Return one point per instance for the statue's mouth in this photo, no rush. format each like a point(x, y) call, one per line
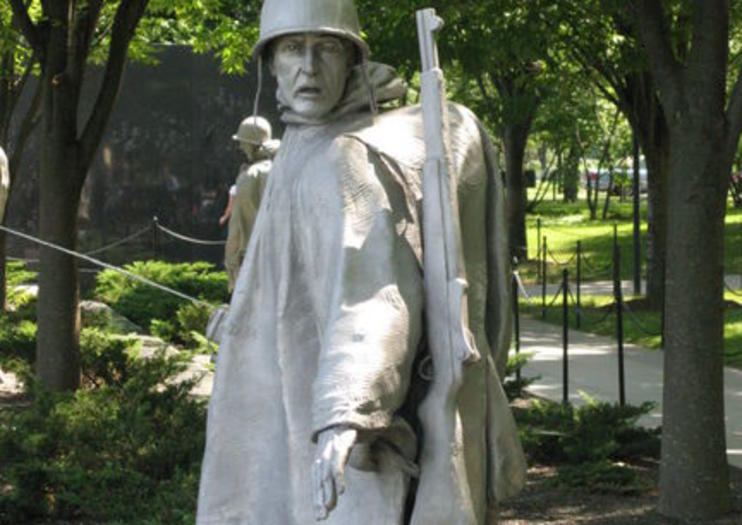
point(308, 91)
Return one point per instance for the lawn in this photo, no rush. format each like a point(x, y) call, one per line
point(641, 327)
point(564, 224)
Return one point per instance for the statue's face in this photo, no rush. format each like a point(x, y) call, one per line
point(311, 70)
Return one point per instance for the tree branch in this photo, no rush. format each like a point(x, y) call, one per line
point(125, 22)
point(652, 27)
point(83, 24)
point(25, 25)
point(28, 124)
point(709, 50)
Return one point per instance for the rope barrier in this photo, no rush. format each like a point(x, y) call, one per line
point(20, 259)
point(126, 239)
point(556, 297)
point(606, 315)
point(571, 296)
point(102, 264)
point(521, 289)
point(558, 263)
point(595, 269)
point(192, 240)
point(640, 324)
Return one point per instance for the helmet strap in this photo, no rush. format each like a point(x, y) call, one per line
point(370, 87)
point(259, 86)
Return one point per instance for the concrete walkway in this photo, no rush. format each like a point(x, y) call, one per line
point(733, 282)
point(593, 369)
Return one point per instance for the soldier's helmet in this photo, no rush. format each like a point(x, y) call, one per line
point(335, 17)
point(253, 130)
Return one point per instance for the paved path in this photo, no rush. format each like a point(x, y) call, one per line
point(733, 282)
point(593, 369)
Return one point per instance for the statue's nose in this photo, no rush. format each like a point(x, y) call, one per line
point(310, 60)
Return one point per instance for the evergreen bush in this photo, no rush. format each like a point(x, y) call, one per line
point(125, 448)
point(142, 303)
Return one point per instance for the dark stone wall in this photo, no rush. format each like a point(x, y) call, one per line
point(167, 152)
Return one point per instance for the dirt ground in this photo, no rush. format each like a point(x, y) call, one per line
point(543, 503)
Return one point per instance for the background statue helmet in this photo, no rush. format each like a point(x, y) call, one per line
point(253, 130)
point(335, 17)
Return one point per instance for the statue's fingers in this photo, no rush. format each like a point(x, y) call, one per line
point(320, 511)
point(338, 472)
point(328, 485)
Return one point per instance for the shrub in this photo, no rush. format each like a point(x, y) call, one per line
point(17, 339)
point(589, 443)
point(513, 386)
point(127, 445)
point(142, 303)
point(17, 274)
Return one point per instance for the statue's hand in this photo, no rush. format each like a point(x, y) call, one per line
point(328, 469)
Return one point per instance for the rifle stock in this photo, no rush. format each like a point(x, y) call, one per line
point(443, 496)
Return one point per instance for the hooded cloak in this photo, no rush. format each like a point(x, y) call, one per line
point(326, 322)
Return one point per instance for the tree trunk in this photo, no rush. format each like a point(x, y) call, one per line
point(658, 166)
point(3, 274)
point(693, 474)
point(514, 139)
point(57, 341)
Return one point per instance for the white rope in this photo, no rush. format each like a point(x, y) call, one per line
point(102, 264)
point(190, 239)
point(120, 241)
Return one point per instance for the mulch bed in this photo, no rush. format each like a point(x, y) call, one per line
point(542, 502)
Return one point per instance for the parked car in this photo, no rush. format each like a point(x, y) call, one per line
point(621, 177)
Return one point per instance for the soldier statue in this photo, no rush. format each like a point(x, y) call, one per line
point(254, 137)
point(325, 404)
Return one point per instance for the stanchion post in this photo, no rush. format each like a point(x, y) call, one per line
point(155, 237)
point(565, 336)
point(578, 285)
point(543, 278)
point(618, 295)
point(538, 250)
point(516, 315)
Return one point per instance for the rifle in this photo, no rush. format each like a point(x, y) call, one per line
point(443, 496)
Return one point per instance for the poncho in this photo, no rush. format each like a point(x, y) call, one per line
point(326, 323)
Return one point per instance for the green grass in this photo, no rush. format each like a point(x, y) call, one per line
point(641, 327)
point(564, 224)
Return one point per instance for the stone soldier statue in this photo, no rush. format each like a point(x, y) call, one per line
point(4, 183)
point(254, 139)
point(324, 362)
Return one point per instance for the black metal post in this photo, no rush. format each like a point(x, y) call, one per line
point(578, 285)
point(538, 250)
point(155, 237)
point(516, 318)
point(565, 336)
point(637, 225)
point(618, 294)
point(543, 278)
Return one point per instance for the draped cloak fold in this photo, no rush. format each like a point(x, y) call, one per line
point(326, 326)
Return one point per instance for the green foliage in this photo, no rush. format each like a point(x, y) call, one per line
point(142, 303)
point(512, 385)
point(589, 443)
point(128, 445)
point(17, 339)
point(17, 274)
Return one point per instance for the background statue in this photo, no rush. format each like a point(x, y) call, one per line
point(254, 139)
point(324, 364)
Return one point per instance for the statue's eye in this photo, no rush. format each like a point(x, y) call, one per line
point(291, 46)
point(331, 46)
